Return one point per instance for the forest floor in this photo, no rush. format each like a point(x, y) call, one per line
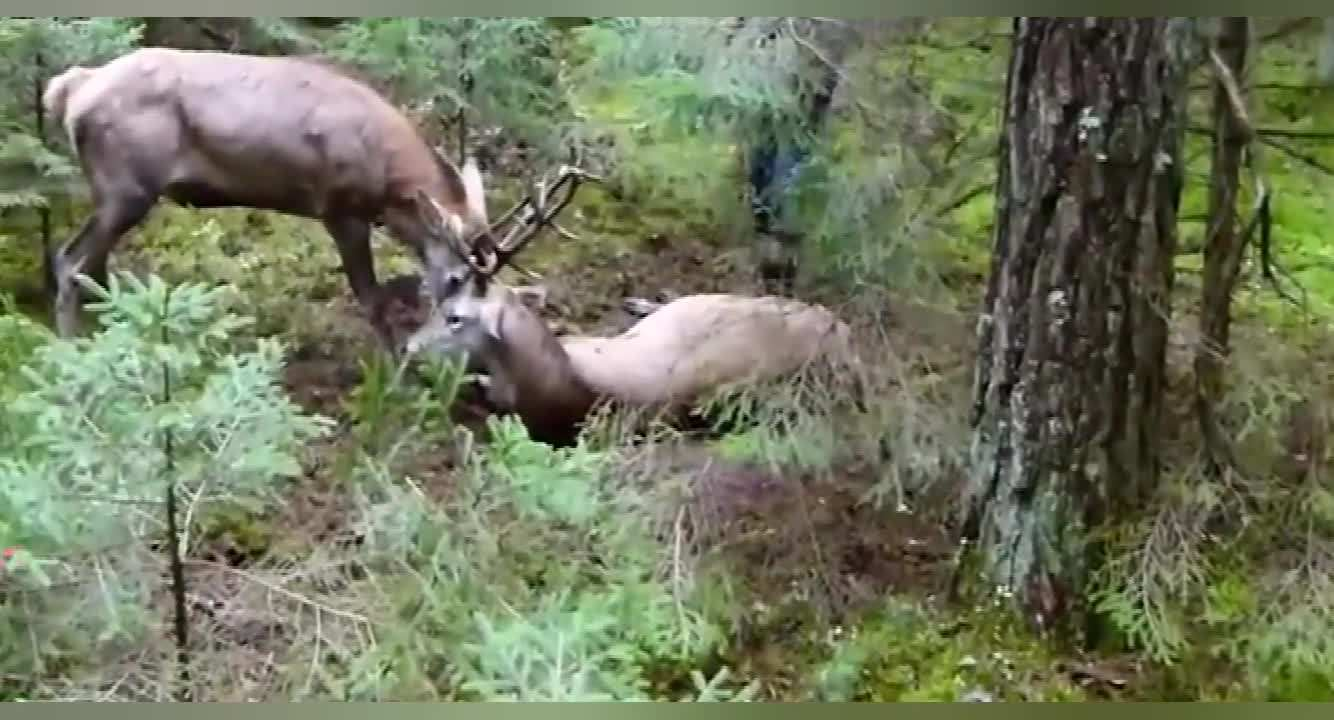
point(777, 530)
point(842, 592)
point(819, 562)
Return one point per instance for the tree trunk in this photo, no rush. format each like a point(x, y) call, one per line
point(1223, 243)
point(1072, 336)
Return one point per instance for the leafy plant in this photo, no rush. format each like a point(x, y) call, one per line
point(500, 71)
point(82, 470)
point(539, 568)
point(31, 51)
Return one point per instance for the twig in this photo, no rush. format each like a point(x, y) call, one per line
point(1234, 97)
point(1294, 153)
point(838, 69)
point(965, 198)
point(1295, 87)
point(1263, 132)
point(676, 566)
point(1287, 28)
point(1311, 135)
point(290, 594)
point(1267, 264)
point(1262, 212)
point(218, 36)
point(199, 493)
point(182, 622)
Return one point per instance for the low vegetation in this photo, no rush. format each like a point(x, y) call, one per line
point(225, 491)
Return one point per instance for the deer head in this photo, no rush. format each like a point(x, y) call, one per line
point(483, 256)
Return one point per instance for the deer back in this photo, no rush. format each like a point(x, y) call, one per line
point(279, 133)
point(701, 342)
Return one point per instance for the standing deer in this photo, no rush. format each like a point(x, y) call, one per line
point(665, 362)
point(212, 129)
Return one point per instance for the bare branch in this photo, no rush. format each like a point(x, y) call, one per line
point(1309, 136)
point(1287, 28)
point(1234, 96)
point(1294, 153)
point(838, 69)
point(965, 198)
point(1295, 134)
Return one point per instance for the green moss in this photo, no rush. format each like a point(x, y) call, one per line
point(904, 652)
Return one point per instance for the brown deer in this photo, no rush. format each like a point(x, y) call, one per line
point(293, 135)
point(665, 362)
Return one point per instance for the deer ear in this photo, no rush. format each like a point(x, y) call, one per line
point(533, 297)
point(493, 319)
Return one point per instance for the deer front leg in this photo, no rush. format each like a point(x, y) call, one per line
point(353, 239)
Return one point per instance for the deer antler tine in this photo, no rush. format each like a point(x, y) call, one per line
point(511, 240)
point(530, 215)
point(524, 271)
point(562, 231)
point(538, 192)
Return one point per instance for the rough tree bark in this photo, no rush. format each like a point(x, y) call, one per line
point(1072, 336)
point(1224, 242)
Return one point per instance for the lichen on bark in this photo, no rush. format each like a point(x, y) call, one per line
point(1072, 340)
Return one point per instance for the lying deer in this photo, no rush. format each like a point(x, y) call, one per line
point(665, 362)
point(292, 135)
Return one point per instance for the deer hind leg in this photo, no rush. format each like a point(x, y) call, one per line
point(353, 238)
point(88, 251)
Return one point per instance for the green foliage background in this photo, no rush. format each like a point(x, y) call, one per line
point(503, 569)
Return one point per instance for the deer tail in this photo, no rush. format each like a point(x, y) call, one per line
point(55, 98)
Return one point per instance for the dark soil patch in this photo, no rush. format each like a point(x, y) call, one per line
point(805, 553)
point(319, 384)
point(816, 530)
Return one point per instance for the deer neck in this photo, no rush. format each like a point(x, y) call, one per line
point(545, 390)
